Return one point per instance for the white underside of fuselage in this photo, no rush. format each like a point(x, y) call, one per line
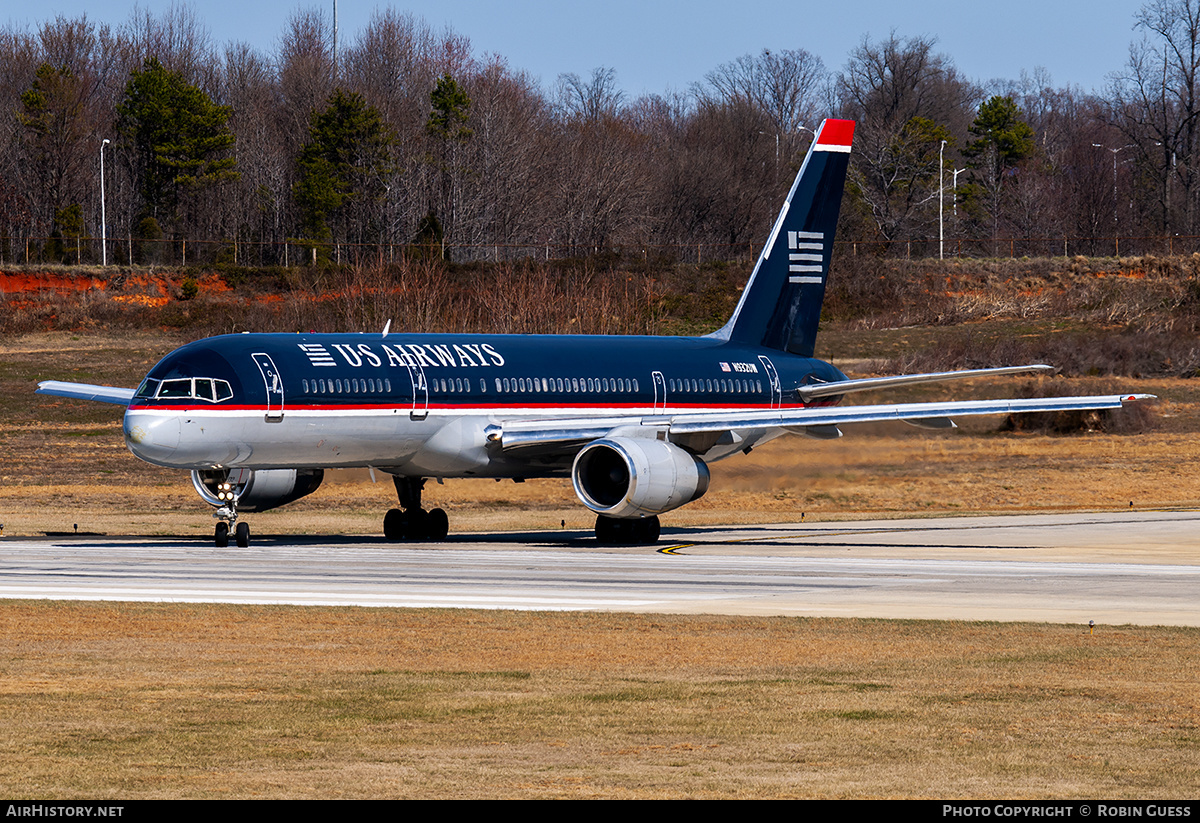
point(436, 443)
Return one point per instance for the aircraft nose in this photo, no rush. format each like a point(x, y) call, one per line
point(152, 437)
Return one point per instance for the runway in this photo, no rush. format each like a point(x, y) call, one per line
point(1111, 568)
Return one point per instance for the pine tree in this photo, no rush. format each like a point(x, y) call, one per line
point(180, 138)
point(342, 166)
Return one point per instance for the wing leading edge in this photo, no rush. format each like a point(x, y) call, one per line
point(86, 391)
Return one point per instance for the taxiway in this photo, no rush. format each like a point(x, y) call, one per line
point(1111, 568)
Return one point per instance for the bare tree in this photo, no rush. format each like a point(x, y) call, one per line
point(504, 199)
point(590, 100)
point(906, 99)
point(1155, 102)
point(787, 86)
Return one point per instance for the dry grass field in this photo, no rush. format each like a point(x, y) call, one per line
point(130, 701)
point(151, 701)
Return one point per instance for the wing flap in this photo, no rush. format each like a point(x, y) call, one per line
point(87, 391)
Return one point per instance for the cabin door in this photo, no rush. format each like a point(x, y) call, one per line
point(420, 388)
point(274, 386)
point(772, 381)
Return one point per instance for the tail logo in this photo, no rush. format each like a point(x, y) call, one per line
point(806, 256)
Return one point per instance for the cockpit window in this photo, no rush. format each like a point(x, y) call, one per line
point(148, 388)
point(198, 388)
point(175, 388)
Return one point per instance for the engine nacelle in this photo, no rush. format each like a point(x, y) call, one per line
point(257, 490)
point(637, 477)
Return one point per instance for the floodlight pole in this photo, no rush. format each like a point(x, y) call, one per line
point(941, 203)
point(103, 216)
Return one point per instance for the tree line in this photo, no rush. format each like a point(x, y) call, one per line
point(406, 137)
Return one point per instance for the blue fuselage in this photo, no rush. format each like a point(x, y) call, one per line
point(336, 400)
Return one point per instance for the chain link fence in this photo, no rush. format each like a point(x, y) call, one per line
point(134, 252)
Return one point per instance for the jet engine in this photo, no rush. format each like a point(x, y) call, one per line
point(255, 490)
point(628, 477)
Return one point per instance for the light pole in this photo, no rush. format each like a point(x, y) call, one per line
point(1115, 152)
point(941, 203)
point(103, 216)
point(954, 188)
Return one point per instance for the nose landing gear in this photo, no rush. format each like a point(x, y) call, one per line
point(227, 516)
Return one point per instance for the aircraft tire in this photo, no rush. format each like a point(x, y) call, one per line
point(394, 523)
point(612, 530)
point(417, 527)
point(243, 535)
point(437, 525)
point(221, 536)
point(605, 530)
point(646, 531)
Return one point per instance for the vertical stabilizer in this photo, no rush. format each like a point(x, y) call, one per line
point(781, 305)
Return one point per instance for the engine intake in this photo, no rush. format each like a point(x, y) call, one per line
point(637, 477)
point(256, 490)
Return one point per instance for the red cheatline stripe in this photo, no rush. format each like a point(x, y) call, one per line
point(440, 407)
point(837, 133)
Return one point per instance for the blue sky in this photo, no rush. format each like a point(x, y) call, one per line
point(657, 46)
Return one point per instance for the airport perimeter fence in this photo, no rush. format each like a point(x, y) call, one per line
point(134, 252)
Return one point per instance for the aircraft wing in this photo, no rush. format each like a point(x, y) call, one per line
point(86, 391)
point(821, 421)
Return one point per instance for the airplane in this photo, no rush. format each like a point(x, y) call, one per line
point(633, 421)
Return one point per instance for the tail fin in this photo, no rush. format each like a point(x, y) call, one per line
point(781, 305)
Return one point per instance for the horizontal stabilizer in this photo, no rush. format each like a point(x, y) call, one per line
point(86, 391)
point(815, 390)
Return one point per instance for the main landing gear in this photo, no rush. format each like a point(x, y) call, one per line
point(641, 532)
point(410, 521)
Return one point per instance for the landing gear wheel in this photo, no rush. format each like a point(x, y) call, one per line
point(437, 525)
point(243, 535)
point(611, 530)
point(646, 532)
point(417, 519)
point(606, 529)
point(394, 523)
point(221, 538)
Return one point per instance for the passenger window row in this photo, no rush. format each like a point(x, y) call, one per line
point(367, 385)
